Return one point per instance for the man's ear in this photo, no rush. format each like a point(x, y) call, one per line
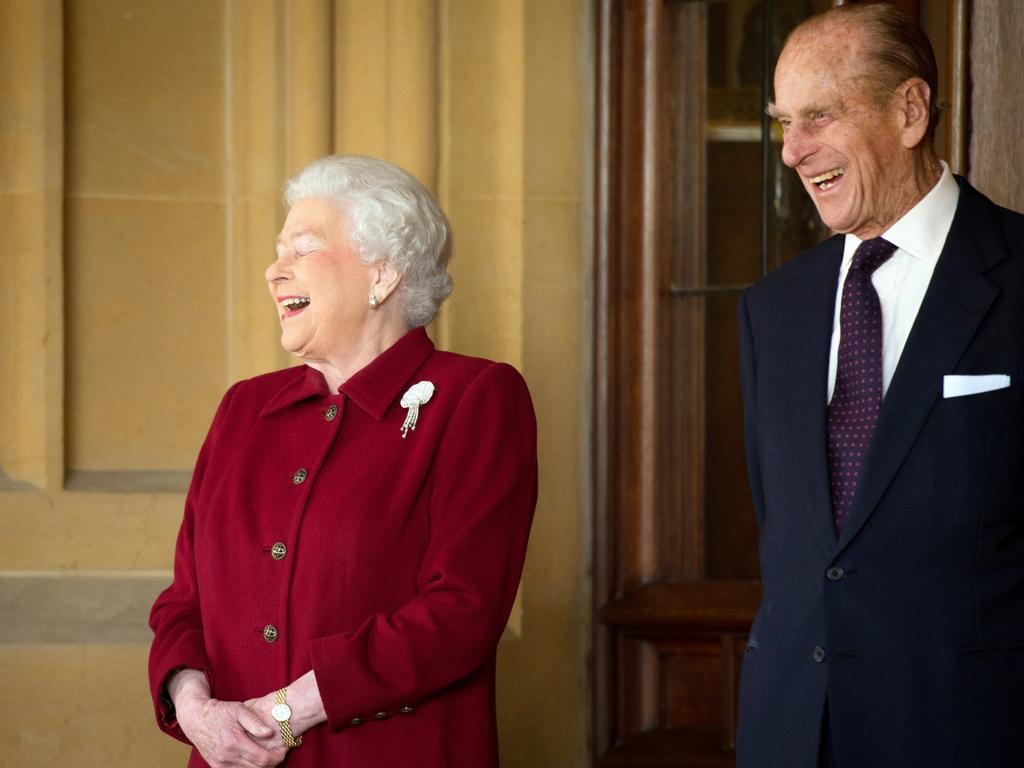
point(915, 98)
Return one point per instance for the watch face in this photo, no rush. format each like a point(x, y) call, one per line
point(281, 712)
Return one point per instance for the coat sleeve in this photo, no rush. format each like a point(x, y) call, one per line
point(484, 489)
point(175, 619)
point(748, 380)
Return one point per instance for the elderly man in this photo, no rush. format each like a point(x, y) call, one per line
point(882, 378)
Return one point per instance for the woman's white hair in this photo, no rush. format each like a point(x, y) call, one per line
point(391, 217)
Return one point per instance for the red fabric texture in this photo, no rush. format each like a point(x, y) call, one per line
point(403, 554)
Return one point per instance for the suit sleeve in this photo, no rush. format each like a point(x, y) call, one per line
point(748, 381)
point(178, 641)
point(484, 489)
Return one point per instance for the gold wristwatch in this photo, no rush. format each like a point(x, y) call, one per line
point(283, 714)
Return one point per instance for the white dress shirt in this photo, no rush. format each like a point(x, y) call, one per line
point(901, 281)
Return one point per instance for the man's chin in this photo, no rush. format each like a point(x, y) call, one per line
point(834, 220)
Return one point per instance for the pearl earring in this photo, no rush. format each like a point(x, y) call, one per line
point(373, 300)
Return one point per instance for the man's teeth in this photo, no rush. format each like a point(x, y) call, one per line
point(823, 179)
point(293, 304)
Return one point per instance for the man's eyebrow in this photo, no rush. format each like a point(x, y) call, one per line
point(812, 109)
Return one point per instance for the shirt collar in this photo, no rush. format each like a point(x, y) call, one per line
point(373, 388)
point(921, 231)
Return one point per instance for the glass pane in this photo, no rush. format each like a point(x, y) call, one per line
point(733, 141)
point(737, 212)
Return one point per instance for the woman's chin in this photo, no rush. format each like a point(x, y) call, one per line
point(293, 346)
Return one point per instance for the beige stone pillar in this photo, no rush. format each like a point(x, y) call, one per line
point(386, 82)
point(31, 189)
point(512, 179)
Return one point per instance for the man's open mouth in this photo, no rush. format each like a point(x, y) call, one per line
point(828, 179)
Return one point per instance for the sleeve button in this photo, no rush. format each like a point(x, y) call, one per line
point(406, 710)
point(381, 716)
point(356, 721)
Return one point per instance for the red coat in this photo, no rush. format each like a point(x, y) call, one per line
point(400, 562)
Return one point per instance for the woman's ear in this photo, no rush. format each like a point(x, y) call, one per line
point(386, 280)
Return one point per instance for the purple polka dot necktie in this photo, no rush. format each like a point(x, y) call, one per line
point(858, 390)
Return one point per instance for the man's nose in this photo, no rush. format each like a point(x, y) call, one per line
point(796, 145)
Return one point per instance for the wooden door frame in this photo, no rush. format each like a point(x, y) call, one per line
point(631, 224)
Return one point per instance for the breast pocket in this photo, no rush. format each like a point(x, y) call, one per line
point(967, 410)
point(980, 450)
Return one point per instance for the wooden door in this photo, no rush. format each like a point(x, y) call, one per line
point(692, 206)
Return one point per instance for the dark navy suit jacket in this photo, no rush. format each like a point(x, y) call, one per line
point(911, 622)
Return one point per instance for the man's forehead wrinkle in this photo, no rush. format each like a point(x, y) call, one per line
point(826, 66)
point(833, 46)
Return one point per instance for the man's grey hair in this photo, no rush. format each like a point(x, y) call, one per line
point(391, 217)
point(896, 49)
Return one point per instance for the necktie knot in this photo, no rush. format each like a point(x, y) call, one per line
point(871, 254)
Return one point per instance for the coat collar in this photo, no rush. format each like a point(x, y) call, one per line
point(373, 388)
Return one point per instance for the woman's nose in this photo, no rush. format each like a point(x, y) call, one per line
point(276, 272)
point(281, 268)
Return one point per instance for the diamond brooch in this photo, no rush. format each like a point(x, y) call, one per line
point(418, 394)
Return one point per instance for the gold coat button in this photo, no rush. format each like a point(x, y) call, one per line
point(332, 412)
point(300, 476)
point(270, 633)
point(278, 551)
point(356, 721)
point(406, 710)
point(381, 716)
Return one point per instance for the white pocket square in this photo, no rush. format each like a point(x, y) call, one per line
point(958, 386)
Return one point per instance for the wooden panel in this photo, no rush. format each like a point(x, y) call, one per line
point(682, 213)
point(707, 607)
point(664, 645)
point(669, 749)
point(997, 101)
point(693, 680)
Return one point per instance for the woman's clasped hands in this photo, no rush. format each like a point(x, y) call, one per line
point(233, 734)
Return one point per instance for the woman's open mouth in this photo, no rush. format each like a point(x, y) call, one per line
point(292, 305)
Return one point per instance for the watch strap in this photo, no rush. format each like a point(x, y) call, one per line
point(290, 740)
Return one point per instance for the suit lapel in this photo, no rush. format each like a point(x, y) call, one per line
point(809, 335)
point(957, 299)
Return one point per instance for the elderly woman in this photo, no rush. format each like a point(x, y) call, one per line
point(356, 526)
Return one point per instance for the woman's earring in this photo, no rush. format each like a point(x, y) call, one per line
point(373, 300)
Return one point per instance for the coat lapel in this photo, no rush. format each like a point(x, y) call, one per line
point(809, 336)
point(957, 300)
